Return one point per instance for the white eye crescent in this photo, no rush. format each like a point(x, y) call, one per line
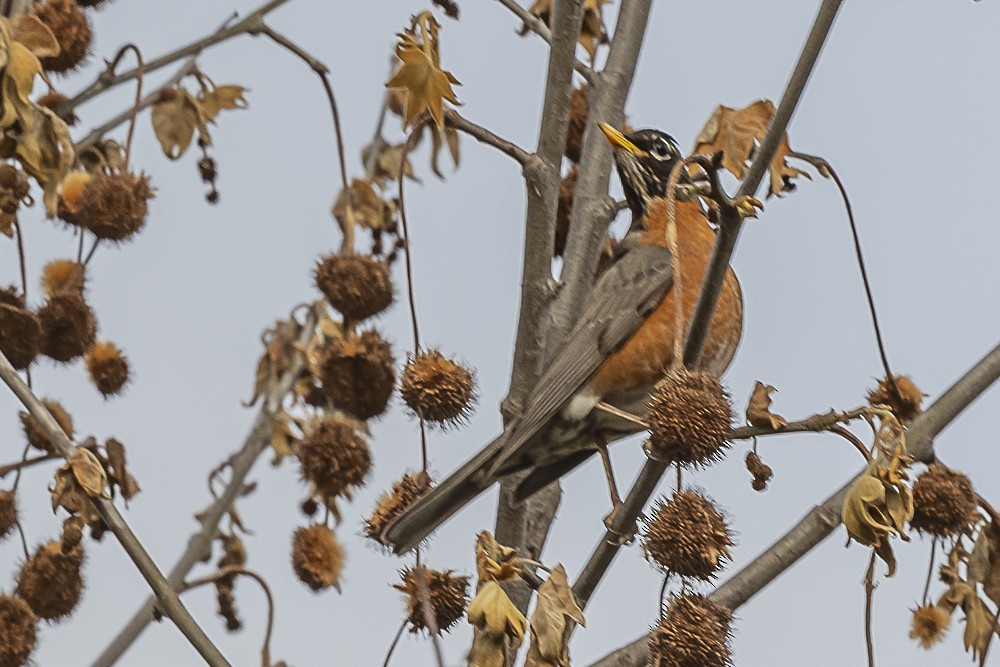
point(660, 150)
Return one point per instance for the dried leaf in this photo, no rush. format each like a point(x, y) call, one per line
point(592, 30)
point(427, 86)
point(121, 477)
point(35, 35)
point(494, 561)
point(551, 622)
point(368, 208)
point(222, 97)
point(498, 623)
point(89, 472)
point(759, 408)
point(283, 438)
point(984, 561)
point(45, 150)
point(280, 346)
point(736, 132)
point(176, 116)
point(979, 626)
point(451, 139)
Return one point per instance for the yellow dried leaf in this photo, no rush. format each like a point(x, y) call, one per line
point(18, 80)
point(35, 35)
point(88, 472)
point(984, 561)
point(176, 116)
point(759, 408)
point(498, 624)
point(551, 621)
point(222, 97)
point(280, 345)
point(736, 132)
point(427, 86)
point(283, 438)
point(367, 207)
point(979, 626)
point(45, 150)
point(494, 561)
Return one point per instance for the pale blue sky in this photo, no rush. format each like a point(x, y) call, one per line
point(903, 103)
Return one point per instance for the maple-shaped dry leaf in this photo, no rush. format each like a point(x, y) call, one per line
point(553, 617)
point(427, 86)
point(736, 132)
point(222, 97)
point(759, 408)
point(498, 624)
point(176, 115)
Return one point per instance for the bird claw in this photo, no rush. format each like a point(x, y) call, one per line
point(747, 206)
point(619, 538)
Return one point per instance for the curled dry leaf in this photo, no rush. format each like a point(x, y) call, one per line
point(984, 561)
point(592, 30)
point(759, 408)
point(498, 624)
point(119, 475)
point(34, 34)
point(736, 132)
point(219, 98)
point(365, 206)
point(427, 86)
point(494, 561)
point(176, 115)
point(554, 615)
point(278, 352)
point(283, 437)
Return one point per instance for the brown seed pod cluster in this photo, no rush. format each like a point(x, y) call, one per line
point(317, 557)
point(448, 594)
point(689, 415)
point(33, 431)
point(905, 403)
point(944, 502)
point(50, 580)
point(930, 623)
point(579, 109)
point(390, 505)
point(564, 209)
point(694, 632)
point(437, 389)
point(359, 374)
point(8, 514)
point(334, 457)
point(71, 27)
point(18, 630)
point(20, 330)
point(68, 326)
point(761, 472)
point(114, 206)
point(108, 368)
point(687, 536)
point(358, 286)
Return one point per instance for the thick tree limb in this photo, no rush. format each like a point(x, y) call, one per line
point(824, 518)
point(199, 546)
point(168, 600)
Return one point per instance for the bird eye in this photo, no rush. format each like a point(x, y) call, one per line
point(661, 150)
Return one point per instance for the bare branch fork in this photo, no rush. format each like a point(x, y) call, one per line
point(199, 545)
point(825, 517)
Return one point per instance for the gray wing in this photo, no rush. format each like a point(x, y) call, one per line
point(625, 293)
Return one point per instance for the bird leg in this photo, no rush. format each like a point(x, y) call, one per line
point(616, 500)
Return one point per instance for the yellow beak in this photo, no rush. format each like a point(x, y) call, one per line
point(618, 140)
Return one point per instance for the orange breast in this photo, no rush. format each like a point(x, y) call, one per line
point(643, 359)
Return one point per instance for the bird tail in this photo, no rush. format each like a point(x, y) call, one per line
point(432, 509)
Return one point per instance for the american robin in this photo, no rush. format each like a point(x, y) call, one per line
point(622, 345)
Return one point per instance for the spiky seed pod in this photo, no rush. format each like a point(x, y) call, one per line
point(50, 580)
point(930, 623)
point(71, 27)
point(359, 374)
point(108, 368)
point(317, 557)
point(579, 108)
point(18, 630)
point(358, 286)
point(8, 513)
point(448, 594)
point(68, 326)
point(114, 206)
point(390, 505)
point(944, 502)
point(33, 431)
point(52, 101)
point(690, 415)
point(20, 330)
point(564, 209)
point(687, 536)
point(761, 472)
point(334, 458)
point(438, 389)
point(905, 404)
point(63, 275)
point(695, 632)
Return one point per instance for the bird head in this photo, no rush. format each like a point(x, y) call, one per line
point(644, 160)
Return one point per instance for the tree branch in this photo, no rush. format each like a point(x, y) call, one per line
point(537, 26)
point(168, 600)
point(484, 136)
point(199, 546)
point(824, 518)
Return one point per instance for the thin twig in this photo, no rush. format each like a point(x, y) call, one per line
point(138, 92)
point(537, 26)
point(395, 641)
point(869, 595)
point(453, 119)
point(26, 463)
point(22, 263)
point(410, 140)
point(169, 601)
point(930, 572)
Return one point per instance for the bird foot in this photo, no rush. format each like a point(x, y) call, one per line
point(620, 538)
point(747, 206)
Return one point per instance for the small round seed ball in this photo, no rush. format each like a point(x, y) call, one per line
point(18, 630)
point(944, 502)
point(68, 326)
point(20, 334)
point(114, 206)
point(437, 389)
point(334, 457)
point(448, 594)
point(358, 286)
point(72, 31)
point(108, 368)
point(33, 431)
point(359, 374)
point(695, 632)
point(905, 404)
point(50, 581)
point(687, 536)
point(317, 557)
point(8, 513)
point(689, 416)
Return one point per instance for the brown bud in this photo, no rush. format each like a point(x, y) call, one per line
point(317, 557)
point(694, 632)
point(390, 505)
point(18, 629)
point(761, 472)
point(438, 389)
point(447, 593)
point(689, 415)
point(357, 285)
point(944, 502)
point(71, 27)
point(334, 457)
point(359, 374)
point(68, 326)
point(53, 100)
point(50, 580)
point(108, 368)
point(687, 536)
